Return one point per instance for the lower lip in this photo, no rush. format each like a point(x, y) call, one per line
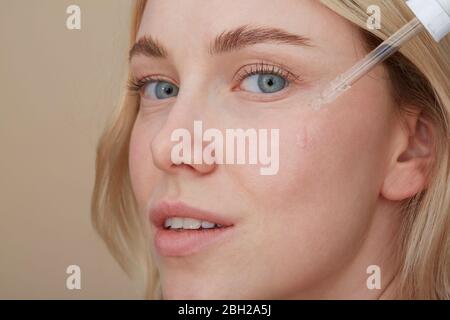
point(171, 243)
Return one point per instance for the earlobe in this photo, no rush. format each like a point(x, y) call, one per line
point(406, 180)
point(409, 173)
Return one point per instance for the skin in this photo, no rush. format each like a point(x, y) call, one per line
point(332, 210)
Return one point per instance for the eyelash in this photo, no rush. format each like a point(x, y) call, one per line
point(136, 85)
point(265, 68)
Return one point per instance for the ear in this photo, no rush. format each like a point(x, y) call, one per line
point(411, 165)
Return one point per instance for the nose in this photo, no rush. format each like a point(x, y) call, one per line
point(177, 147)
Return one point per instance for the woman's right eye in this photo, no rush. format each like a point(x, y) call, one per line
point(158, 90)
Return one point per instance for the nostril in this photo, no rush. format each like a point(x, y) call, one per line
point(182, 166)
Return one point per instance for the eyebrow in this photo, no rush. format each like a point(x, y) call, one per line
point(227, 41)
point(149, 47)
point(247, 35)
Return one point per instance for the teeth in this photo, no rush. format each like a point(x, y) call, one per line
point(168, 223)
point(176, 223)
point(188, 224)
point(191, 224)
point(207, 225)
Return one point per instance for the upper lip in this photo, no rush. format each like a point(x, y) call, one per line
point(164, 210)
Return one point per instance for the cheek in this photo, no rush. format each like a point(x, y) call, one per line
point(137, 154)
point(331, 166)
point(143, 173)
point(334, 159)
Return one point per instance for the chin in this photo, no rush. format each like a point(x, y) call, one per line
point(188, 291)
point(183, 293)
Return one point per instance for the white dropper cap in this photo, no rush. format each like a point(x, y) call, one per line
point(434, 15)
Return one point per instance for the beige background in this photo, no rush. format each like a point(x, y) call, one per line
point(57, 89)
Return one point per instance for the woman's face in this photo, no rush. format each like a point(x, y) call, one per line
point(295, 233)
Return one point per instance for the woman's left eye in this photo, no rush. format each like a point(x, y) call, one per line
point(264, 83)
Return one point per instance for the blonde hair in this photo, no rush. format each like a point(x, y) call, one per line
point(419, 78)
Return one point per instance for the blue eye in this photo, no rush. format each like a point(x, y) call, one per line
point(160, 90)
point(264, 83)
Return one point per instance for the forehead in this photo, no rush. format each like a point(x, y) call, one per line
point(190, 23)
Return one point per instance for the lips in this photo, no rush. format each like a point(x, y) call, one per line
point(182, 242)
